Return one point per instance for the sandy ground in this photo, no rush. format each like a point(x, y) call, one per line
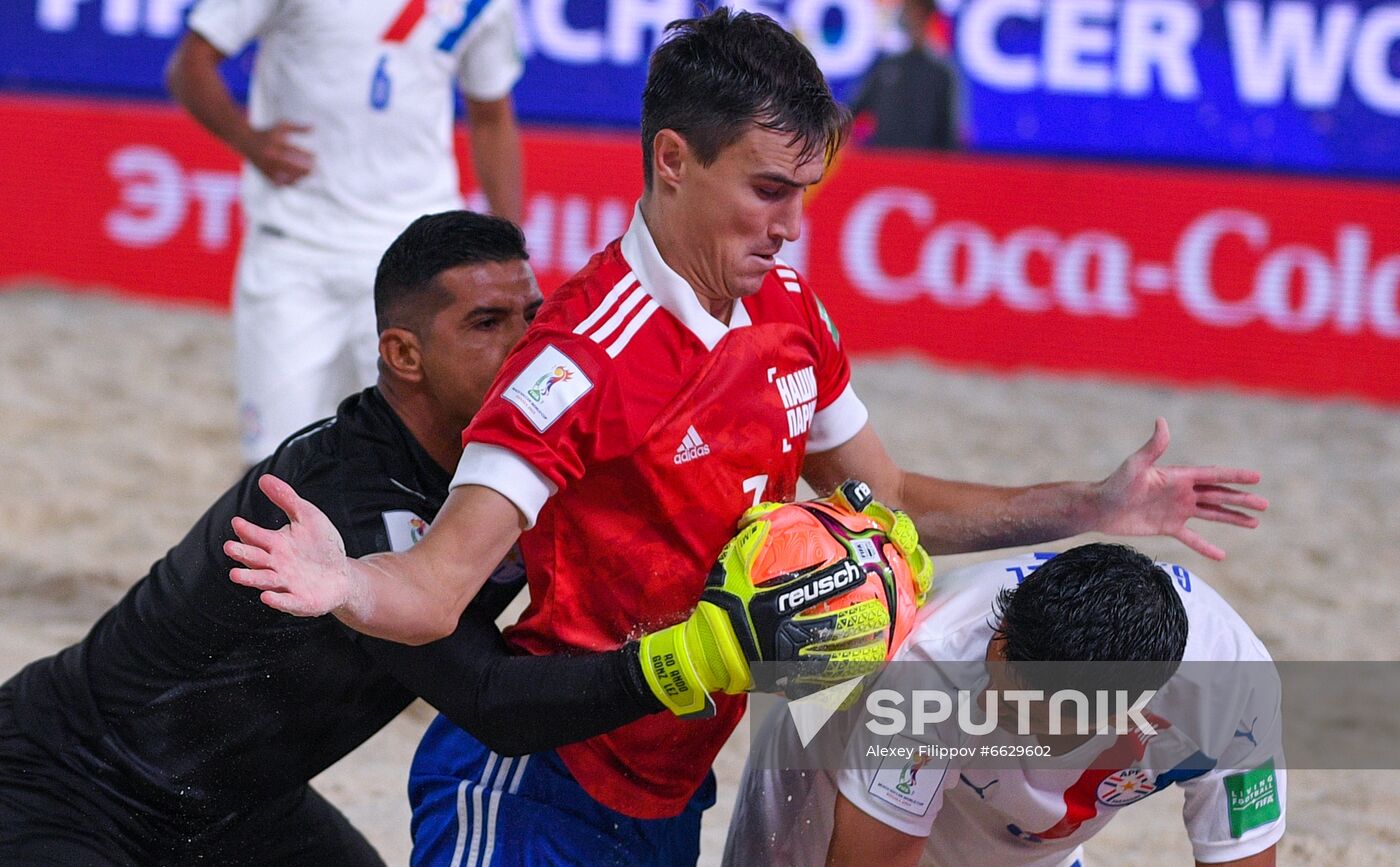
point(116, 431)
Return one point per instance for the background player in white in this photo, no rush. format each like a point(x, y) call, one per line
point(347, 139)
point(1218, 729)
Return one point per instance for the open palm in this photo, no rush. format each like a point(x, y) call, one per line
point(1143, 499)
point(301, 569)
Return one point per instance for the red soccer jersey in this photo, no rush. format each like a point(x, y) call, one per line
point(634, 428)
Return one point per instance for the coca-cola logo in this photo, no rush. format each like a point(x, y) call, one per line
point(1348, 285)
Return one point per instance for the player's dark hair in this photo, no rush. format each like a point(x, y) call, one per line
point(1095, 603)
point(406, 291)
point(715, 76)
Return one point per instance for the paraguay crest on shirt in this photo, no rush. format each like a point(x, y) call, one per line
point(1125, 787)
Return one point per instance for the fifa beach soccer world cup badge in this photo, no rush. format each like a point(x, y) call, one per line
point(547, 387)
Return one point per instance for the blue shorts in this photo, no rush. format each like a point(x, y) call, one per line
point(474, 808)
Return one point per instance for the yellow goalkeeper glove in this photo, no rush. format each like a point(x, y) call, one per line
point(737, 622)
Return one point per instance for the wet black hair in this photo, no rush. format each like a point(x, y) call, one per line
point(406, 291)
point(716, 76)
point(1095, 603)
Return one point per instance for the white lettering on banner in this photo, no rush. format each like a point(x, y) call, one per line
point(162, 18)
point(1158, 35)
point(1077, 45)
point(979, 52)
point(860, 241)
point(557, 39)
point(563, 235)
point(991, 268)
point(1016, 251)
point(630, 27)
point(1301, 50)
point(937, 264)
point(639, 22)
point(1344, 291)
point(1293, 50)
point(576, 244)
point(1371, 73)
point(1110, 297)
point(1193, 256)
point(1096, 47)
point(1295, 288)
point(155, 196)
point(854, 50)
point(166, 17)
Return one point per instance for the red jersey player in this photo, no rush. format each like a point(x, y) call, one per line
point(684, 375)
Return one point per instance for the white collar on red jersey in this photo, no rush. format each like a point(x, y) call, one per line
point(670, 289)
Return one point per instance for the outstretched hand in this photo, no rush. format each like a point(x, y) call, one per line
point(1143, 499)
point(301, 569)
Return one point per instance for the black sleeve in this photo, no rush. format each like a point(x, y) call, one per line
point(519, 704)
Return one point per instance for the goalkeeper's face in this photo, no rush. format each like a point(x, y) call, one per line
point(488, 306)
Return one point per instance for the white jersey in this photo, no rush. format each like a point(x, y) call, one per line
point(374, 81)
point(1218, 737)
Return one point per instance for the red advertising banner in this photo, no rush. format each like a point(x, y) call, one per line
point(1161, 274)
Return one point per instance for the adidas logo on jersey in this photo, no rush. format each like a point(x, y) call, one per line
point(691, 447)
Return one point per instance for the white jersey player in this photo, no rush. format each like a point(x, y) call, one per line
point(347, 139)
point(1217, 733)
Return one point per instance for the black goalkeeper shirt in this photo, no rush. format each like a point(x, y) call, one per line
point(190, 698)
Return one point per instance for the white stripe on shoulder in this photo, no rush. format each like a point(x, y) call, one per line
point(786, 274)
point(608, 301)
point(628, 304)
point(637, 322)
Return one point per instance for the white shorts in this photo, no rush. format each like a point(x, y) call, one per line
point(304, 335)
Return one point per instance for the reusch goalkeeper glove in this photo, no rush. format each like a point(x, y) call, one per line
point(897, 525)
point(737, 623)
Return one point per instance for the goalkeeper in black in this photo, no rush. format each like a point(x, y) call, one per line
point(185, 727)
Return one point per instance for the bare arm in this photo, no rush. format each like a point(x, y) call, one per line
point(412, 597)
point(1267, 858)
point(1138, 499)
point(496, 154)
point(859, 840)
point(192, 77)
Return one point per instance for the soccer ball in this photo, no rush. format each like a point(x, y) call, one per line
point(818, 564)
